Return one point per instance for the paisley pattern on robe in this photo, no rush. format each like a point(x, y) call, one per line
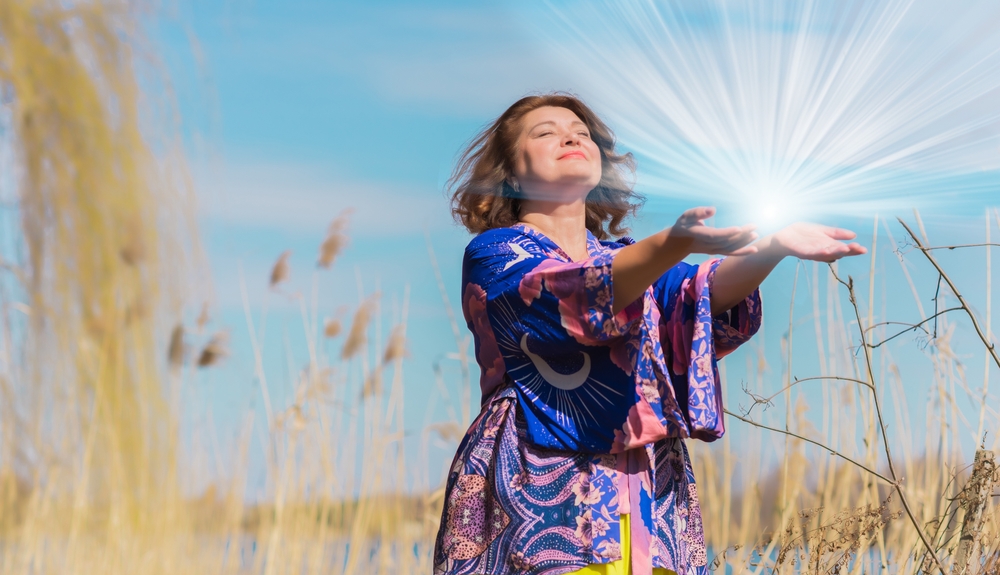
point(584, 411)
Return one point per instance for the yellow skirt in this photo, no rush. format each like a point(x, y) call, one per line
point(624, 565)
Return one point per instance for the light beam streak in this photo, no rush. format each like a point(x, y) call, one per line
point(801, 108)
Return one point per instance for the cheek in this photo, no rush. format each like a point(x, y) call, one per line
point(595, 160)
point(530, 159)
point(522, 159)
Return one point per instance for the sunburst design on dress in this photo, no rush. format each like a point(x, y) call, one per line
point(571, 406)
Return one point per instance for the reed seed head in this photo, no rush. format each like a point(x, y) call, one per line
point(281, 269)
point(214, 350)
point(334, 242)
point(203, 317)
point(357, 337)
point(175, 353)
point(396, 346)
point(332, 327)
point(373, 384)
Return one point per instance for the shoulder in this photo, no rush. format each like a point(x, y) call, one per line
point(502, 241)
point(502, 255)
point(493, 237)
point(619, 243)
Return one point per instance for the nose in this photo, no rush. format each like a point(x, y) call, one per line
point(571, 139)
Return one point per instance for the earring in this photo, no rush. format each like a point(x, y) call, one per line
point(514, 188)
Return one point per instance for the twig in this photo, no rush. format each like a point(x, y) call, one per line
point(757, 400)
point(912, 327)
point(965, 305)
point(881, 422)
point(760, 400)
point(929, 248)
point(937, 302)
point(816, 443)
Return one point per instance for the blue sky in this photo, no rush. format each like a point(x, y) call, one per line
point(297, 110)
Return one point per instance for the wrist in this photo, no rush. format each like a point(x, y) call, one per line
point(676, 245)
point(773, 246)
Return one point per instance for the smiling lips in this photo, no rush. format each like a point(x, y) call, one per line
point(573, 155)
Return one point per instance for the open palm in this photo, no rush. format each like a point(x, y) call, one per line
point(703, 239)
point(816, 242)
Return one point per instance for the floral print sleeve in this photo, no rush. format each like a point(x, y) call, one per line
point(693, 341)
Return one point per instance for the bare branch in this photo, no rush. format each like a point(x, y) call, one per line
point(767, 401)
point(912, 327)
point(881, 422)
point(929, 248)
point(965, 305)
point(831, 450)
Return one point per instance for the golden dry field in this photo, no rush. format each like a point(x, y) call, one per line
point(94, 260)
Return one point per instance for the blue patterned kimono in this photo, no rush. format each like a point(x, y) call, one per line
point(584, 411)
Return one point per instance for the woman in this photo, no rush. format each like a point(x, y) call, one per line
point(598, 357)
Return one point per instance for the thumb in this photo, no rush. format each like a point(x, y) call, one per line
point(698, 214)
point(840, 233)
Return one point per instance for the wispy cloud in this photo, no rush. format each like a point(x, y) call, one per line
point(466, 60)
point(304, 199)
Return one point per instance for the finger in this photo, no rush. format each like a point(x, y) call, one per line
point(857, 249)
point(845, 250)
point(698, 214)
point(745, 237)
point(720, 234)
point(737, 246)
point(736, 230)
point(838, 251)
point(730, 234)
point(839, 233)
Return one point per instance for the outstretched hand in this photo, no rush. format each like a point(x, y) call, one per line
point(816, 242)
point(731, 241)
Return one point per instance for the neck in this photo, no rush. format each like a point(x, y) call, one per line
point(563, 223)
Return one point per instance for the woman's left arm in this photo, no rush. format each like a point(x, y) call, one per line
point(738, 276)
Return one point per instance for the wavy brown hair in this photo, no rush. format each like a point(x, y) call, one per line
point(483, 197)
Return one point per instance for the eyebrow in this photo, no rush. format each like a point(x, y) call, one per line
point(573, 123)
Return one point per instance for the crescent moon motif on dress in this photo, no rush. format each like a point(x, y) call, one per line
point(563, 381)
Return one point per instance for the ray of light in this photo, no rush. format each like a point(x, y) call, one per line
point(788, 109)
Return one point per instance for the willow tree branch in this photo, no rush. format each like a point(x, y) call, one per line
point(991, 347)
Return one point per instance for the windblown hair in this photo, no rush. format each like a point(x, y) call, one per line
point(483, 197)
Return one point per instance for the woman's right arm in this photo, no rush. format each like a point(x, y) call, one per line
point(637, 266)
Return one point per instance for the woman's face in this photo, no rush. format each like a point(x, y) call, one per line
point(555, 159)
